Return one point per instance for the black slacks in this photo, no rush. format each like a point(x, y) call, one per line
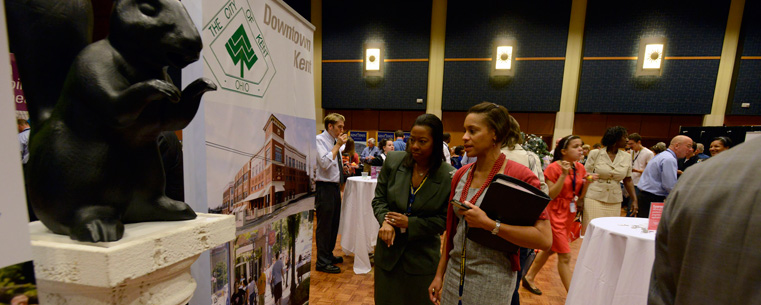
point(327, 203)
point(645, 199)
point(524, 269)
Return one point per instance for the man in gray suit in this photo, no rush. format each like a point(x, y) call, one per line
point(707, 248)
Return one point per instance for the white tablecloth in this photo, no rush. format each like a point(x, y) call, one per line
point(614, 263)
point(358, 226)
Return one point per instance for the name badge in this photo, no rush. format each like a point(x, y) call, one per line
point(572, 206)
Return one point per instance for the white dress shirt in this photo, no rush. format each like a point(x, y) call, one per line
point(639, 161)
point(327, 165)
point(530, 160)
point(447, 156)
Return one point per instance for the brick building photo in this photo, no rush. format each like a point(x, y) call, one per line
point(273, 177)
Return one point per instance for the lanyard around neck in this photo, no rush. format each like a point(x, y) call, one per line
point(463, 197)
point(413, 192)
point(637, 156)
point(573, 182)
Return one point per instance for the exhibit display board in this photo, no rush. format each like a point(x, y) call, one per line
point(250, 151)
point(16, 278)
point(18, 91)
point(360, 140)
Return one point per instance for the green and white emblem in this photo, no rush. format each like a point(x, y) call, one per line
point(238, 56)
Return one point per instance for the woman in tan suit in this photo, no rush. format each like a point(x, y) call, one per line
point(612, 165)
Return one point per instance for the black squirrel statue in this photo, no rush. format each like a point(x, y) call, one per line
point(94, 161)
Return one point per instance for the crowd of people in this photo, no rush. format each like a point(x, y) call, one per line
point(421, 177)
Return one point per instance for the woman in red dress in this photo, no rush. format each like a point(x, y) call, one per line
point(565, 178)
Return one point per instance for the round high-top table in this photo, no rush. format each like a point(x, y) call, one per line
point(358, 226)
point(614, 263)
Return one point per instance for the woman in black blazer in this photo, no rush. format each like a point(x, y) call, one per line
point(411, 205)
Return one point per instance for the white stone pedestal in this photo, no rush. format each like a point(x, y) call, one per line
point(149, 265)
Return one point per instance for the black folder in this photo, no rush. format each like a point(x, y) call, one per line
point(513, 202)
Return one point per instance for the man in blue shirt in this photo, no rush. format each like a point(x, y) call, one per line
point(327, 201)
point(23, 138)
point(399, 144)
point(660, 175)
point(699, 152)
point(465, 160)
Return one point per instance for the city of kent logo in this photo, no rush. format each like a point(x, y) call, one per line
point(240, 50)
point(239, 58)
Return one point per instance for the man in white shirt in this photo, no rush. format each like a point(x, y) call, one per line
point(447, 154)
point(640, 156)
point(328, 194)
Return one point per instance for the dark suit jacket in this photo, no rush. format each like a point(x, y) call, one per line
point(418, 250)
point(708, 243)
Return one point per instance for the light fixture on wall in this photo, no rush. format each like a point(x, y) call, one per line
point(650, 60)
point(503, 62)
point(373, 61)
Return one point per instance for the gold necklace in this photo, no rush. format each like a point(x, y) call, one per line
point(420, 172)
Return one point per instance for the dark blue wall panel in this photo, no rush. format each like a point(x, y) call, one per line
point(535, 88)
point(303, 7)
point(747, 88)
point(403, 26)
point(540, 29)
point(684, 88)
point(344, 88)
point(692, 28)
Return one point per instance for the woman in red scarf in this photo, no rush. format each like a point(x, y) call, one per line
point(469, 271)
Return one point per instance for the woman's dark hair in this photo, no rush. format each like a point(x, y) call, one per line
point(726, 141)
point(382, 144)
point(562, 144)
point(613, 135)
point(437, 146)
point(506, 128)
point(458, 150)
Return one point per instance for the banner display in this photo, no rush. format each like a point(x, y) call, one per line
point(385, 135)
point(16, 270)
point(390, 135)
point(252, 149)
point(358, 136)
point(360, 140)
point(18, 91)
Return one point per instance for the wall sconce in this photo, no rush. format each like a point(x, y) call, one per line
point(503, 62)
point(373, 61)
point(650, 59)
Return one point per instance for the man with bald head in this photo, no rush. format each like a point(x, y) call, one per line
point(660, 175)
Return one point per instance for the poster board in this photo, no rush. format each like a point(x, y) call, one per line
point(15, 263)
point(250, 151)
